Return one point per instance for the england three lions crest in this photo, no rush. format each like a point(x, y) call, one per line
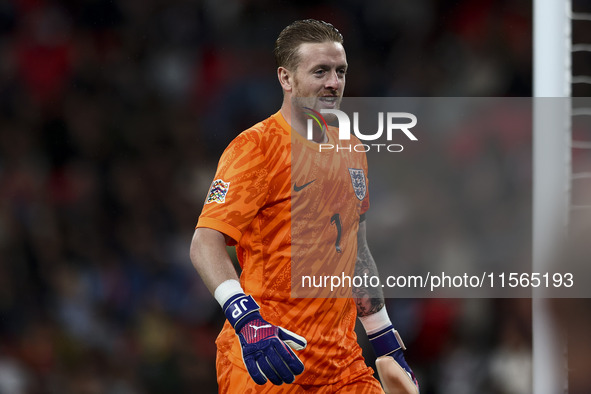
point(358, 181)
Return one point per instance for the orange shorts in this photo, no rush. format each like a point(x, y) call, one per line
point(234, 379)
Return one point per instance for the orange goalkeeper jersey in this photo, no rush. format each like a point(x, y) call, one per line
point(293, 213)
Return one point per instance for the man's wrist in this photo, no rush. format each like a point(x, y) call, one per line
point(386, 342)
point(238, 307)
point(226, 290)
point(383, 337)
point(376, 321)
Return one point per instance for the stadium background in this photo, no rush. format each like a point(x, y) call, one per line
point(112, 117)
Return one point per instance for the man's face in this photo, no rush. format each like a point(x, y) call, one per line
point(319, 79)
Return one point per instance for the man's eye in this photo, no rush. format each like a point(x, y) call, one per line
point(319, 72)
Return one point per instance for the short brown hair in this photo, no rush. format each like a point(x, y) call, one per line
point(299, 32)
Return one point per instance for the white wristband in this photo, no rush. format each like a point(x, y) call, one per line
point(227, 289)
point(376, 322)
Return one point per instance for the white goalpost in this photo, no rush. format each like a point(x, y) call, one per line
point(551, 177)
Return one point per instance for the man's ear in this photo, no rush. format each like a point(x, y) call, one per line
point(285, 78)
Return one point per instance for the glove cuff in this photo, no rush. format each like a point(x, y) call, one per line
point(386, 341)
point(240, 309)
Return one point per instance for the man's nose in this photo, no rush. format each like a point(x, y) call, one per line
point(333, 81)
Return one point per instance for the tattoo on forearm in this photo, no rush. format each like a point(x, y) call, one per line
point(368, 300)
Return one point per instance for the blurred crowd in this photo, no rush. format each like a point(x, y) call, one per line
point(112, 117)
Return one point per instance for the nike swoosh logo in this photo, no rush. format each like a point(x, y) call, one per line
point(298, 188)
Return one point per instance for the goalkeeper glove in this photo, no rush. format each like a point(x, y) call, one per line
point(266, 349)
point(387, 343)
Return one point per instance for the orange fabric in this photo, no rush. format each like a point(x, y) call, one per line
point(277, 196)
point(235, 379)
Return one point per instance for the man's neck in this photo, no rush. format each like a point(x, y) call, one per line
point(299, 124)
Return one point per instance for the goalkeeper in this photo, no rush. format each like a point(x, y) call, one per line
point(267, 178)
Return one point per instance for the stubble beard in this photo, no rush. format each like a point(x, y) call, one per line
point(299, 105)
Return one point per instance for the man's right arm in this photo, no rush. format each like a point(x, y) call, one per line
point(210, 258)
point(266, 349)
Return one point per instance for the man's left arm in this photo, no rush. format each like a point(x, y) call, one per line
point(384, 339)
point(368, 300)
